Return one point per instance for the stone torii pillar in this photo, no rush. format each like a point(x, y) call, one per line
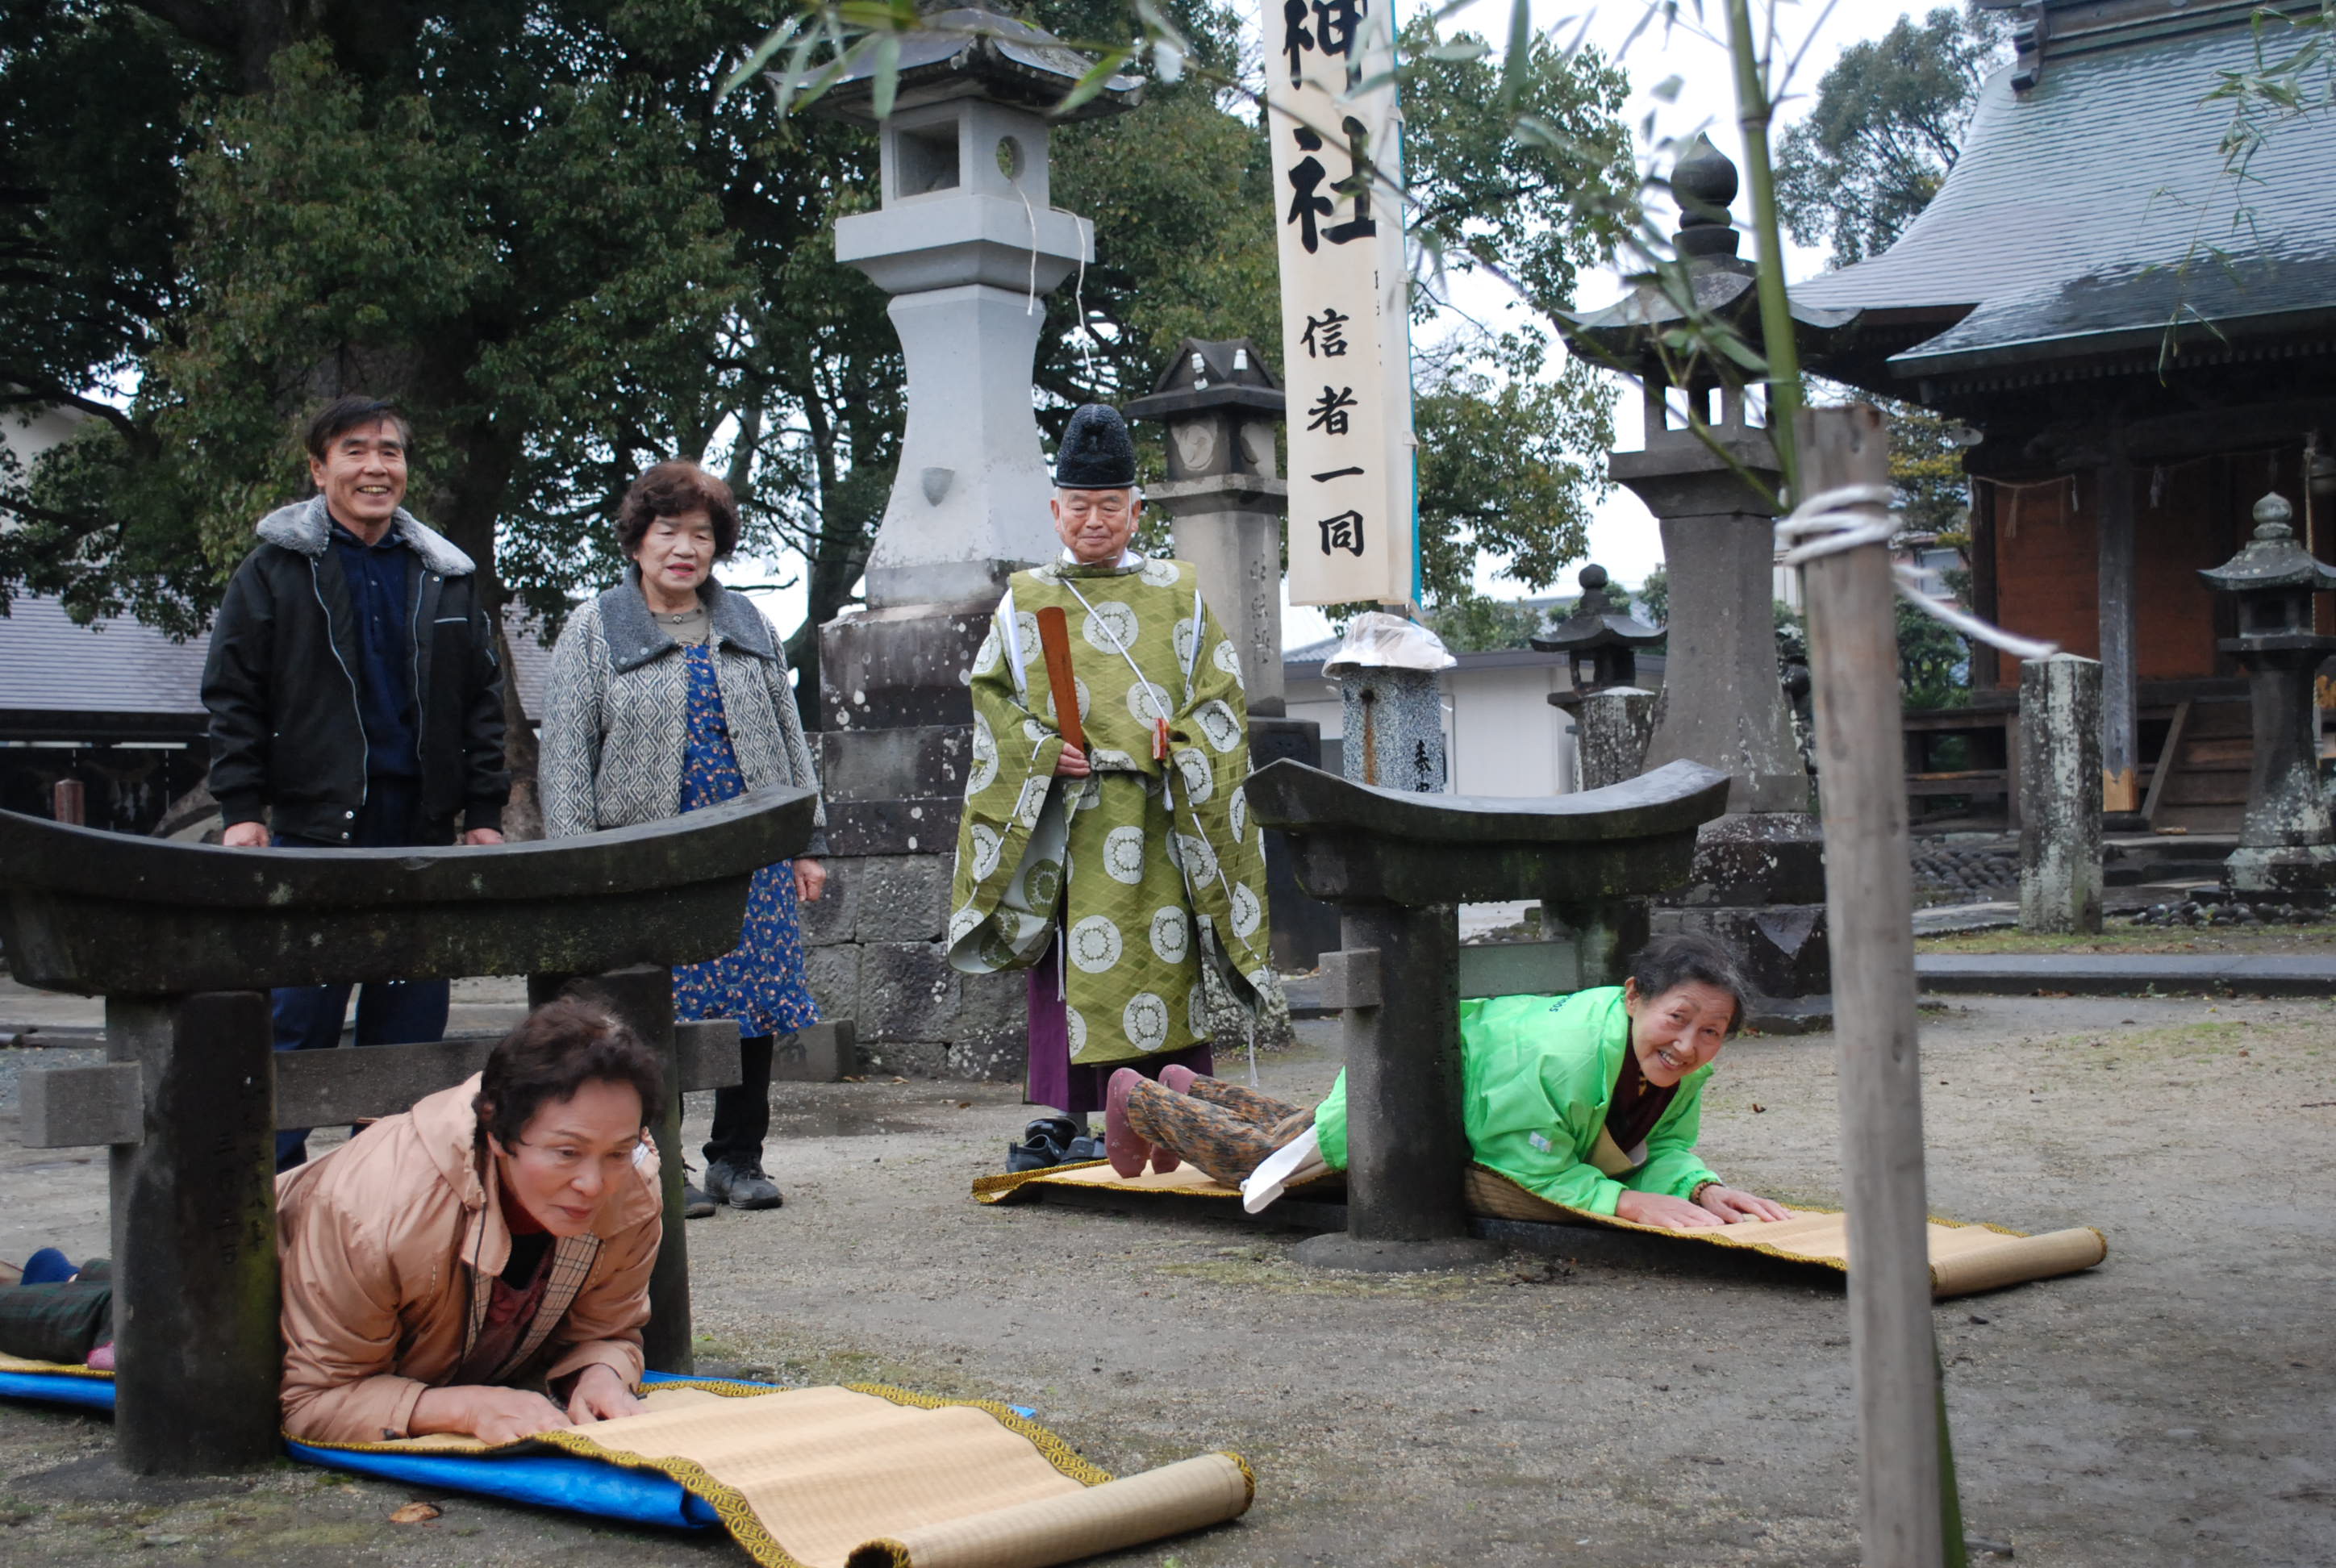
point(964, 241)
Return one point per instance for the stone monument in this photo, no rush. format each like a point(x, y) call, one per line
point(1712, 482)
point(2060, 795)
point(2287, 843)
point(965, 241)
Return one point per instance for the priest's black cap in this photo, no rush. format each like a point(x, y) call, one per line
point(1096, 454)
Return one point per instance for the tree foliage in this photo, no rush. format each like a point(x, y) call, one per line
point(1887, 126)
point(540, 225)
point(1479, 623)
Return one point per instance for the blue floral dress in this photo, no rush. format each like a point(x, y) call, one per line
point(760, 982)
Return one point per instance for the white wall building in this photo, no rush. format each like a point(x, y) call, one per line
point(1500, 732)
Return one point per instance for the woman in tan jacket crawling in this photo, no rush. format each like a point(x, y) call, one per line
point(493, 1241)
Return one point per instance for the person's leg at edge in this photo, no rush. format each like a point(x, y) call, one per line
point(1143, 1117)
point(306, 1018)
point(742, 1119)
point(397, 1012)
point(1245, 1103)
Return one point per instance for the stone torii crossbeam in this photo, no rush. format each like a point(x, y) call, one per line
point(1398, 865)
point(184, 941)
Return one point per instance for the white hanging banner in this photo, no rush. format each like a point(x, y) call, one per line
point(1346, 332)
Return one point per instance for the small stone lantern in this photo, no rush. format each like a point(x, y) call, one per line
point(1601, 639)
point(1225, 493)
point(2288, 844)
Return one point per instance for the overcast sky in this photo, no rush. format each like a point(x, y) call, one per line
point(1624, 537)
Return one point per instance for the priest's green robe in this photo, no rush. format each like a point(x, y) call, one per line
point(1147, 869)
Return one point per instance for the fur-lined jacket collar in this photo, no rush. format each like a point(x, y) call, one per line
point(305, 528)
point(634, 637)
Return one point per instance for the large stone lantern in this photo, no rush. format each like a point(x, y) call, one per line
point(1712, 481)
point(965, 239)
point(2288, 843)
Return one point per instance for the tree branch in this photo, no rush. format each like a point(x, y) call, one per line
point(197, 21)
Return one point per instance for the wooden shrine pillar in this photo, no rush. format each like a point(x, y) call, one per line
point(2120, 676)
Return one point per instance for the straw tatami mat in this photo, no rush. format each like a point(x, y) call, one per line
point(1183, 1182)
point(51, 1368)
point(874, 1478)
point(1965, 1258)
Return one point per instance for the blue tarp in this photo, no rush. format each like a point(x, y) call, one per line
point(579, 1486)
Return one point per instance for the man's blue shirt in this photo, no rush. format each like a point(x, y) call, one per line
point(380, 581)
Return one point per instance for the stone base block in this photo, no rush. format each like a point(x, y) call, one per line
point(898, 669)
point(2308, 870)
point(1337, 1250)
point(1754, 858)
point(903, 898)
point(1783, 948)
point(818, 1055)
point(906, 992)
point(990, 1055)
point(904, 1059)
point(833, 975)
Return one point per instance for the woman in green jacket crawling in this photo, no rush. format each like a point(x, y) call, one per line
point(1593, 1100)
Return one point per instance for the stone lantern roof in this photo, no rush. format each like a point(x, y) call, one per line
point(973, 52)
point(1628, 332)
point(2272, 559)
point(1596, 621)
point(1207, 374)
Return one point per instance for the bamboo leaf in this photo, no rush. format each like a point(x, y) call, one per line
point(773, 42)
point(1519, 58)
point(1098, 76)
point(888, 74)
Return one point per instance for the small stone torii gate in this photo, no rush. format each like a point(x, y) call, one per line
point(1399, 864)
point(184, 941)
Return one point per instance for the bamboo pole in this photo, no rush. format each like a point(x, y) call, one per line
point(1869, 892)
point(1778, 345)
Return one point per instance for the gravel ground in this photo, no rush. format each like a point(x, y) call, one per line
point(2172, 1408)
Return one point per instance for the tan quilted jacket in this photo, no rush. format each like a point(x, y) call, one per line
point(390, 1247)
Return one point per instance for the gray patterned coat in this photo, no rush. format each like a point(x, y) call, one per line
point(616, 714)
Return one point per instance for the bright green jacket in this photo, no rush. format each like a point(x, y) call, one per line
point(1537, 1073)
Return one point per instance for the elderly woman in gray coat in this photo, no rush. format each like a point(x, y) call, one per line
point(669, 694)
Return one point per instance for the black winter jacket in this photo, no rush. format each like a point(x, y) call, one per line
point(281, 685)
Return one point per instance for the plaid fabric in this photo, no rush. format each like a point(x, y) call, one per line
point(570, 1266)
point(60, 1322)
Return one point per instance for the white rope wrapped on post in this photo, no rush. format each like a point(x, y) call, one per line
point(1824, 525)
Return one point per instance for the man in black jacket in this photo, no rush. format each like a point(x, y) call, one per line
point(356, 699)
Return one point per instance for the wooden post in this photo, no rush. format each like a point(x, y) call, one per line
point(69, 801)
point(2120, 676)
point(643, 997)
point(195, 1286)
point(1869, 890)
